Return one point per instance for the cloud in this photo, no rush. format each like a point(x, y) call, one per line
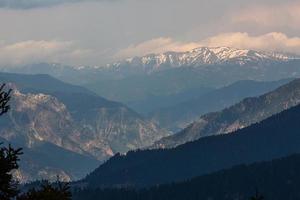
point(27, 4)
point(273, 41)
point(279, 15)
point(28, 52)
point(158, 45)
point(69, 52)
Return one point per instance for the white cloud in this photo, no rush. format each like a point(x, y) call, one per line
point(273, 41)
point(67, 52)
point(27, 52)
point(157, 45)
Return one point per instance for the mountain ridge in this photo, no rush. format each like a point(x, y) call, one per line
point(72, 118)
point(246, 112)
point(272, 138)
point(277, 179)
point(202, 56)
point(179, 116)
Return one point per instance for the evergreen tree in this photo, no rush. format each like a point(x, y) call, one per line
point(9, 158)
point(257, 196)
point(4, 99)
point(48, 192)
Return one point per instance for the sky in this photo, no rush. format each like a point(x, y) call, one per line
point(96, 32)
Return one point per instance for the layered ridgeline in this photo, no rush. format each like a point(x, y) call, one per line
point(275, 137)
point(170, 73)
point(277, 179)
point(156, 76)
point(240, 115)
point(46, 110)
point(179, 116)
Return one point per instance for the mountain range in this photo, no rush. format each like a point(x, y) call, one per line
point(172, 73)
point(272, 138)
point(163, 75)
point(50, 114)
point(70, 118)
point(202, 56)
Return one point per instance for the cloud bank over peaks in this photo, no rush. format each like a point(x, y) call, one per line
point(72, 53)
point(273, 41)
point(31, 51)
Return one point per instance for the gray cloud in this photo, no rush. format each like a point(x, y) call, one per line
point(27, 4)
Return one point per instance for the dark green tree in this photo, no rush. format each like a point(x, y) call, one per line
point(47, 191)
point(257, 196)
point(9, 157)
point(4, 99)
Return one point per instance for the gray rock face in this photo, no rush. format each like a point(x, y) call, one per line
point(78, 124)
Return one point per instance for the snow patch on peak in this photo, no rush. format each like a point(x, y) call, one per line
point(202, 56)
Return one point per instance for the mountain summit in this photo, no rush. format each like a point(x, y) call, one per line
point(203, 56)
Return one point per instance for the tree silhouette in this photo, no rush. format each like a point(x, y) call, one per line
point(4, 99)
point(257, 196)
point(48, 192)
point(9, 158)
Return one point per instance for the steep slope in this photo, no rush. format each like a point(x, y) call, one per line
point(44, 128)
point(243, 114)
point(276, 180)
point(275, 137)
point(72, 118)
point(108, 120)
point(181, 115)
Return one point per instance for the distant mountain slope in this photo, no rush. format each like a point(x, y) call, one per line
point(243, 114)
point(180, 115)
point(153, 103)
point(46, 82)
point(278, 179)
point(138, 79)
point(275, 137)
point(72, 118)
point(177, 80)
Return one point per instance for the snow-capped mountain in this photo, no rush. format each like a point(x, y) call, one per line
point(202, 56)
point(158, 75)
point(199, 57)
